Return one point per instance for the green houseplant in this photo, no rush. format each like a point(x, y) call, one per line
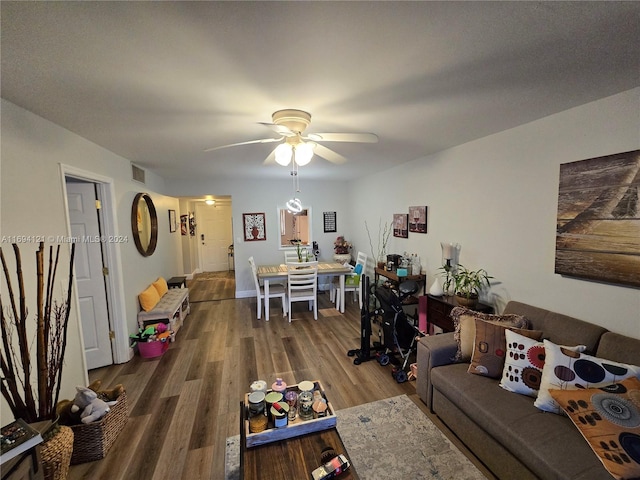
point(468, 284)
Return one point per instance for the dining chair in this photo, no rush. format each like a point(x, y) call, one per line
point(352, 281)
point(291, 256)
point(276, 290)
point(302, 285)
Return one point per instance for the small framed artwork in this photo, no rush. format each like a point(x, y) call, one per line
point(183, 224)
point(173, 226)
point(418, 219)
point(329, 222)
point(401, 225)
point(254, 227)
point(192, 224)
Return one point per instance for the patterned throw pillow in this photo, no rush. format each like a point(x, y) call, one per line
point(523, 363)
point(609, 420)
point(490, 346)
point(465, 328)
point(567, 370)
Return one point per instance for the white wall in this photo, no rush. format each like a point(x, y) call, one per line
point(251, 196)
point(497, 197)
point(32, 204)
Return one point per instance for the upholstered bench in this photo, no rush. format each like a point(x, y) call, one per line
point(158, 303)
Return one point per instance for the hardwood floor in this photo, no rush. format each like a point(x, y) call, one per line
point(183, 405)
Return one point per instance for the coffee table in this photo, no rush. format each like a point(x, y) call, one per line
point(293, 458)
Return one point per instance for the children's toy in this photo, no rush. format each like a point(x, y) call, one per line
point(91, 407)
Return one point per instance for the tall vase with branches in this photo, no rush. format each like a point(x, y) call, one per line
point(382, 237)
point(51, 324)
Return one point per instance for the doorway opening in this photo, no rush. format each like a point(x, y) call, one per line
point(215, 275)
point(90, 210)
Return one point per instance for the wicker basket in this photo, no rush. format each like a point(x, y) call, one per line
point(56, 454)
point(92, 441)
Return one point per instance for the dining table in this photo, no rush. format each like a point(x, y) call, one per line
point(268, 273)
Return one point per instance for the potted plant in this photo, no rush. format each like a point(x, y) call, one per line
point(341, 250)
point(50, 322)
point(384, 232)
point(468, 284)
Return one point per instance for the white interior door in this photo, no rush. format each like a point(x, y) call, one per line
point(94, 313)
point(214, 235)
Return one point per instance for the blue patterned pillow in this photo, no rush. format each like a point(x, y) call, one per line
point(567, 370)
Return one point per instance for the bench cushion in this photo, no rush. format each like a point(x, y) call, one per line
point(168, 304)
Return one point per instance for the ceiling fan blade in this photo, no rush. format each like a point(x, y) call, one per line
point(345, 137)
point(328, 154)
point(262, 140)
point(279, 129)
point(271, 158)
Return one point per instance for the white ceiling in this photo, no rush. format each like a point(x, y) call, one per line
point(158, 82)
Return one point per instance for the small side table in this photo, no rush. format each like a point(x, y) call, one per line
point(439, 308)
point(177, 282)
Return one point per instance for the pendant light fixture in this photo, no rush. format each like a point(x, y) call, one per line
point(294, 205)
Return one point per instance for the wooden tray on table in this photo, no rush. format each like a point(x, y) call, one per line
point(294, 428)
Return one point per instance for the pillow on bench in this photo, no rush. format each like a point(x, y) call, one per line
point(161, 286)
point(149, 298)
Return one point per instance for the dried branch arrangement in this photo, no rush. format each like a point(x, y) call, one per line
point(51, 324)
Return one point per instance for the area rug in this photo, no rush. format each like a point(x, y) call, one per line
point(389, 438)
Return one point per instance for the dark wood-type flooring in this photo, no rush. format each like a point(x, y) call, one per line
point(183, 405)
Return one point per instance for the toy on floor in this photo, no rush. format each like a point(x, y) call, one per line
point(72, 416)
point(91, 407)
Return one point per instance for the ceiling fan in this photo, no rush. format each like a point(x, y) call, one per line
point(290, 125)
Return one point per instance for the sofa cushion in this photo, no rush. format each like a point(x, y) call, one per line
point(161, 286)
point(149, 298)
point(465, 328)
point(549, 445)
point(567, 370)
point(522, 372)
point(619, 348)
point(559, 328)
point(609, 420)
point(489, 348)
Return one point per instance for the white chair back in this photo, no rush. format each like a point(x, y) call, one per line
point(254, 271)
point(361, 259)
point(276, 291)
point(292, 255)
point(303, 284)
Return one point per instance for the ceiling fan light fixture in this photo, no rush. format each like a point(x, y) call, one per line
point(303, 154)
point(283, 154)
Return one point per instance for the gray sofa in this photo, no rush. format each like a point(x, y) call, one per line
point(505, 430)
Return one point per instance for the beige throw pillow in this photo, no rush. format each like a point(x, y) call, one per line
point(465, 328)
point(490, 346)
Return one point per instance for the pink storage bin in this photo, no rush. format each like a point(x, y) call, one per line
point(152, 349)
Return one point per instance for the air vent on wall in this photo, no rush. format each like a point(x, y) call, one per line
point(137, 173)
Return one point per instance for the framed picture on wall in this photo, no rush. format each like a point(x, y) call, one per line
point(401, 225)
point(173, 226)
point(598, 225)
point(418, 219)
point(254, 227)
point(329, 222)
point(183, 224)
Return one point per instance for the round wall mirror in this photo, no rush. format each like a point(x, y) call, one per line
point(144, 224)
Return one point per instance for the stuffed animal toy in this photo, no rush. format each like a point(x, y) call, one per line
point(66, 416)
point(69, 417)
point(91, 407)
point(111, 395)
